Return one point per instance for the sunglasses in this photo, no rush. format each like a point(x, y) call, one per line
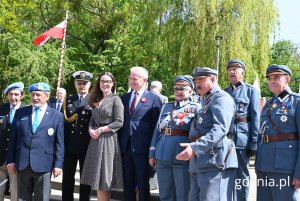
point(181, 89)
point(105, 81)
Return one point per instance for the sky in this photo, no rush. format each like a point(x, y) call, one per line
point(289, 13)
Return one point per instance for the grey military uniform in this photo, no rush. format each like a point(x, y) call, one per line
point(213, 168)
point(172, 128)
point(244, 131)
point(278, 157)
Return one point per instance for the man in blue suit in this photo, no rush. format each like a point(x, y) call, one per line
point(36, 145)
point(57, 102)
point(141, 112)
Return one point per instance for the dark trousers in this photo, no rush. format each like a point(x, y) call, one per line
point(135, 173)
point(69, 170)
point(34, 184)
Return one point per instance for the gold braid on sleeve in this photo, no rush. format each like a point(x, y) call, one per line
point(71, 118)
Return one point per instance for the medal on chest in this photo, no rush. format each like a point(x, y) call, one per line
point(283, 118)
point(180, 116)
point(200, 120)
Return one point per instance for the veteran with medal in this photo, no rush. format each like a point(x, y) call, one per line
point(246, 123)
point(173, 128)
point(211, 154)
point(278, 154)
point(36, 145)
point(77, 116)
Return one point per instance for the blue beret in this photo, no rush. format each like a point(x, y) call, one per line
point(236, 63)
point(82, 75)
point(16, 85)
point(41, 86)
point(185, 78)
point(275, 69)
point(203, 72)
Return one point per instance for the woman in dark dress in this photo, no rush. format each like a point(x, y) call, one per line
point(102, 168)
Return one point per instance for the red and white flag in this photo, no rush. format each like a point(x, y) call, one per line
point(55, 32)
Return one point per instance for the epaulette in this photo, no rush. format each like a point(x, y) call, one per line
point(71, 118)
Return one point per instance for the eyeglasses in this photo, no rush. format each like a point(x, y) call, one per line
point(181, 89)
point(105, 81)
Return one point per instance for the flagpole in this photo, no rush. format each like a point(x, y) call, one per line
point(63, 44)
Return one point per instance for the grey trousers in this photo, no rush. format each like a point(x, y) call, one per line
point(12, 183)
point(34, 185)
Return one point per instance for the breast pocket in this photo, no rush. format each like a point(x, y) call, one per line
point(242, 106)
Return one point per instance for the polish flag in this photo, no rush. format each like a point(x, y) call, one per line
point(55, 32)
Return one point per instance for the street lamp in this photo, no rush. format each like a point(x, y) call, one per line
point(218, 39)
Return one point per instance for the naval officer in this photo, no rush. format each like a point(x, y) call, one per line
point(212, 155)
point(77, 116)
point(172, 128)
point(246, 123)
point(278, 155)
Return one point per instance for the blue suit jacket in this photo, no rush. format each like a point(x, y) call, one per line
point(141, 123)
point(42, 150)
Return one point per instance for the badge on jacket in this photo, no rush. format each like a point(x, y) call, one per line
point(50, 131)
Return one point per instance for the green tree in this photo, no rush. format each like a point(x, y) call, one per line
point(286, 52)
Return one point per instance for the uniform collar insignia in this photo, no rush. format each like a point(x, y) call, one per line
point(236, 85)
point(283, 95)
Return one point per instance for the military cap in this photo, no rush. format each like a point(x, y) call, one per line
point(236, 63)
point(82, 75)
point(203, 72)
point(16, 85)
point(185, 78)
point(41, 86)
point(276, 69)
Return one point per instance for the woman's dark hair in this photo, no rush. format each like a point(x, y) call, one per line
point(96, 93)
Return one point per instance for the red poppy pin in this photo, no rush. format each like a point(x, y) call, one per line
point(143, 99)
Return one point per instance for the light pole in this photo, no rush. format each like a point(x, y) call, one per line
point(218, 39)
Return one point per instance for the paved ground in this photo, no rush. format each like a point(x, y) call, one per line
point(56, 194)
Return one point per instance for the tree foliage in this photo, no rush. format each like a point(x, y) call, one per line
point(167, 37)
point(285, 52)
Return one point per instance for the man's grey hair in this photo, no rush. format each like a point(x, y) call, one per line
point(140, 71)
point(47, 93)
point(62, 90)
point(156, 84)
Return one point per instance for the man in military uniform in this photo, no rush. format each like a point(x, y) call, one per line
point(173, 127)
point(246, 123)
point(278, 154)
point(77, 116)
point(7, 112)
point(212, 155)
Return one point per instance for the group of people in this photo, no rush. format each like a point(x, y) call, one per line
point(199, 145)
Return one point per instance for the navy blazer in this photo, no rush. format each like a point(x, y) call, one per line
point(42, 150)
point(5, 130)
point(141, 123)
